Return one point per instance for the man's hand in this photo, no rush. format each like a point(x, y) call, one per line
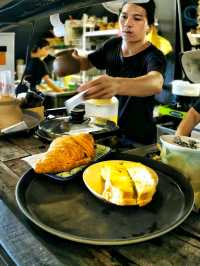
point(76, 55)
point(103, 87)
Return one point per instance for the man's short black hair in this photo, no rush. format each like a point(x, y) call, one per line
point(150, 8)
point(48, 35)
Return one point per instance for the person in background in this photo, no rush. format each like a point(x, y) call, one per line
point(191, 119)
point(134, 72)
point(37, 70)
point(49, 59)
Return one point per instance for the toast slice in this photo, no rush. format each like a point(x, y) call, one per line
point(145, 181)
point(119, 187)
point(128, 183)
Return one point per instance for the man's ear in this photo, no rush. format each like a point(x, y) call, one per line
point(148, 29)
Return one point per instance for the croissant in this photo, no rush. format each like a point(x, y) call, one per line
point(66, 153)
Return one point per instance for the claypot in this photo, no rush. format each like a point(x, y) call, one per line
point(65, 64)
point(10, 112)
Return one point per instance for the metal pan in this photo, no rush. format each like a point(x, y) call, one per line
point(71, 212)
point(50, 129)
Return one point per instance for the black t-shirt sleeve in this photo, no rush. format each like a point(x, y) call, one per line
point(98, 57)
point(196, 106)
point(156, 62)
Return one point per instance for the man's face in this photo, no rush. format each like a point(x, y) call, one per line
point(133, 23)
point(44, 51)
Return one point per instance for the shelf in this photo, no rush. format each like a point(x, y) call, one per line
point(102, 33)
point(88, 34)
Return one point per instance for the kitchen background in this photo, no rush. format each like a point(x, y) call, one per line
point(167, 19)
point(175, 19)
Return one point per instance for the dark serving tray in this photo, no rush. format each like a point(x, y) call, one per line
point(70, 211)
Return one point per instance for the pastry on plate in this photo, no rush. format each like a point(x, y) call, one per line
point(118, 185)
point(65, 153)
point(128, 183)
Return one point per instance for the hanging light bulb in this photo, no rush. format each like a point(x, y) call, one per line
point(115, 6)
point(59, 31)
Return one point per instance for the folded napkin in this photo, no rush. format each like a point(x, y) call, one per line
point(74, 101)
point(14, 128)
point(31, 160)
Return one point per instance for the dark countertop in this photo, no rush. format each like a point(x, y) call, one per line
point(21, 243)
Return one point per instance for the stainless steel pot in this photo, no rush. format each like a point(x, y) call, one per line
point(190, 61)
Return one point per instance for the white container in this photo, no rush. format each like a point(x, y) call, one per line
point(7, 87)
point(185, 88)
point(7, 40)
point(102, 109)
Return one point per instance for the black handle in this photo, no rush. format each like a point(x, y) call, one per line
point(56, 111)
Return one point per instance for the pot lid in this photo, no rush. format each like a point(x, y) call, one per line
point(58, 126)
point(190, 62)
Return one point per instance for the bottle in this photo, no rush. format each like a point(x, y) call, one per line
point(20, 67)
point(102, 109)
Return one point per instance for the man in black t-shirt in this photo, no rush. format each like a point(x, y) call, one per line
point(134, 72)
point(191, 119)
point(135, 113)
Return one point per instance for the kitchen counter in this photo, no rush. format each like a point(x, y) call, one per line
point(21, 243)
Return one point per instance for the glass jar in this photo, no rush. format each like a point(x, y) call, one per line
point(102, 109)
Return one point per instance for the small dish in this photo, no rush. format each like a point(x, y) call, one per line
point(101, 152)
point(96, 184)
point(93, 181)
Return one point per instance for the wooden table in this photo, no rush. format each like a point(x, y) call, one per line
point(23, 244)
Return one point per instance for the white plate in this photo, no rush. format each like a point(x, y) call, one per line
point(95, 183)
